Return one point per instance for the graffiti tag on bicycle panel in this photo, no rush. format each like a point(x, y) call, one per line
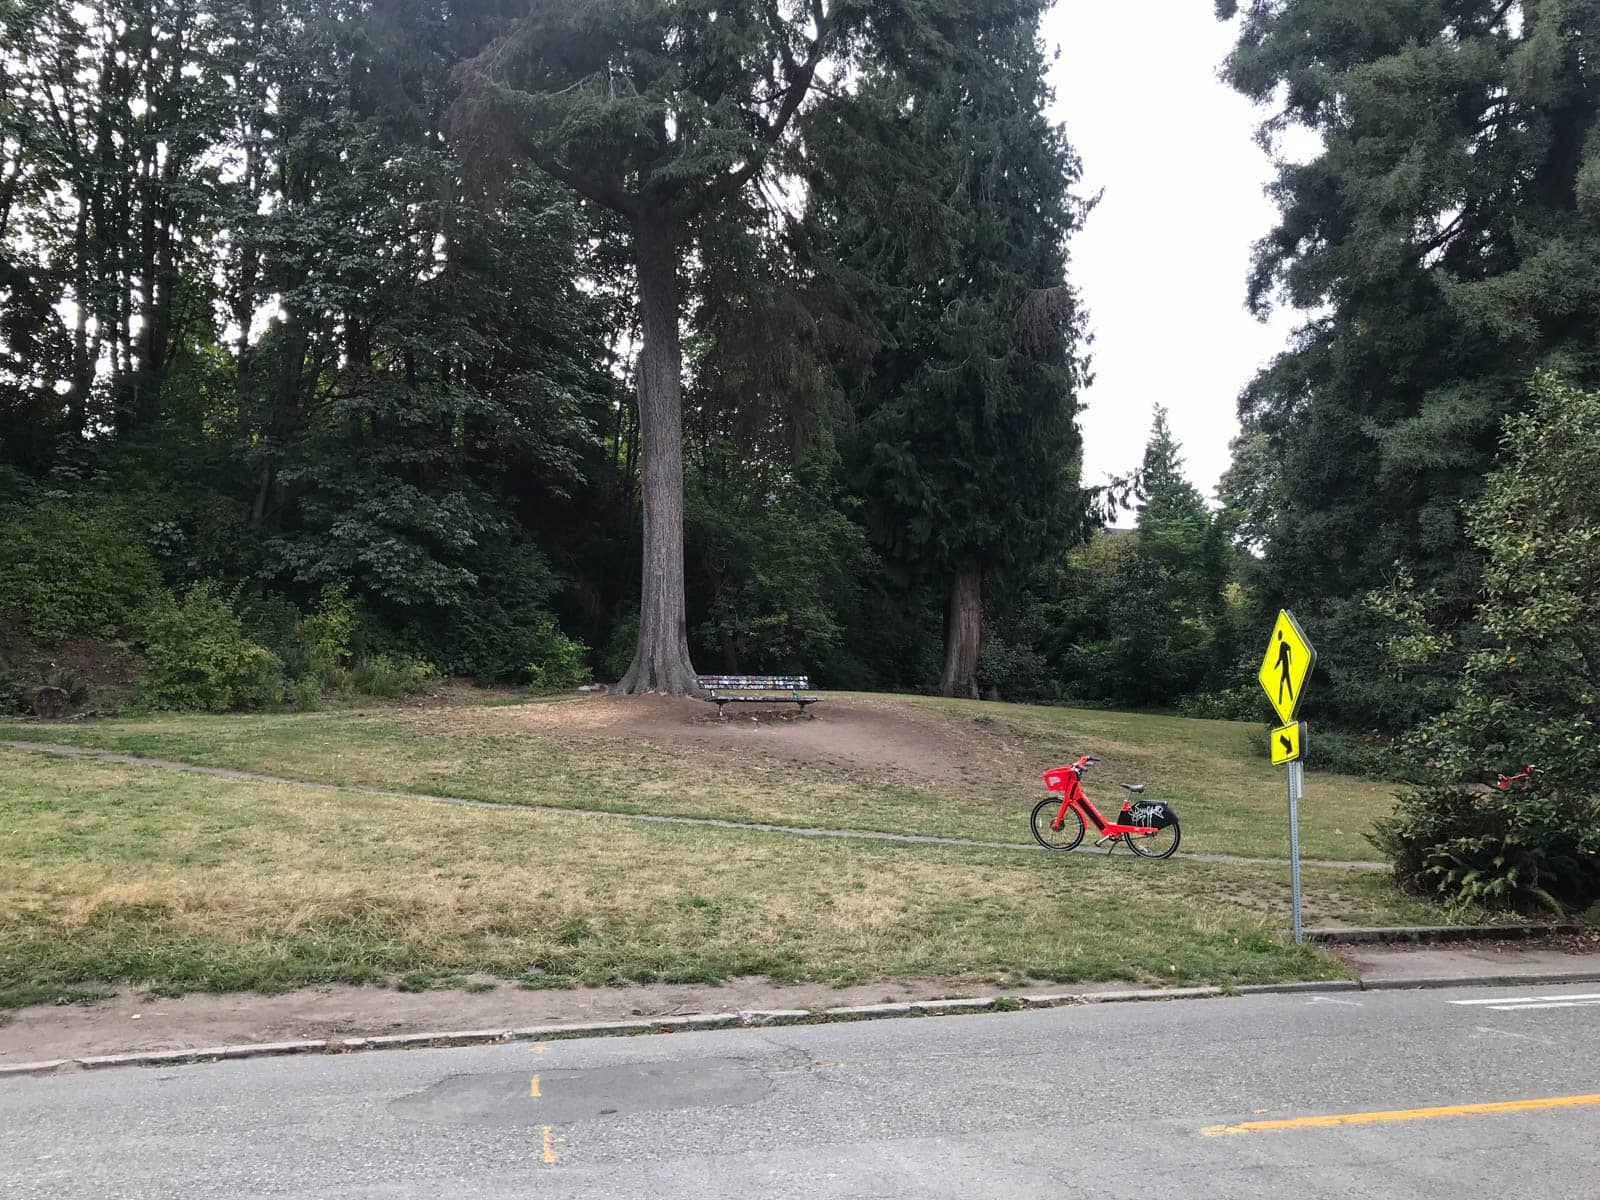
point(1286, 666)
point(1151, 815)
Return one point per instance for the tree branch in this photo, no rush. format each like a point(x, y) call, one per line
point(601, 191)
point(800, 77)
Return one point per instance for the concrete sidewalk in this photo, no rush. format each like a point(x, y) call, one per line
point(1461, 965)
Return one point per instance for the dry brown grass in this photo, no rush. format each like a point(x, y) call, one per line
point(898, 764)
point(180, 882)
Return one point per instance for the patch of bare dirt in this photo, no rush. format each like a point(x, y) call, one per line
point(92, 662)
point(848, 734)
point(128, 1023)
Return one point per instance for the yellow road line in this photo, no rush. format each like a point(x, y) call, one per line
point(549, 1155)
point(533, 1088)
point(1404, 1114)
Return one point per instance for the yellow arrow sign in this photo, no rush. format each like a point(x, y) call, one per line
point(1286, 666)
point(1288, 742)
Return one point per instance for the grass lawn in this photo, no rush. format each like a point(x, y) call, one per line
point(1231, 801)
point(1231, 798)
point(119, 875)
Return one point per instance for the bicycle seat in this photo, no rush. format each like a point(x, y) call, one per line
point(1135, 788)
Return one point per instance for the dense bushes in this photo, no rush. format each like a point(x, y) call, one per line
point(558, 661)
point(1524, 678)
point(198, 657)
point(1515, 850)
point(74, 565)
point(390, 675)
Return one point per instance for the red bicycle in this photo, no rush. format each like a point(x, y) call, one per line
point(1147, 827)
point(1520, 782)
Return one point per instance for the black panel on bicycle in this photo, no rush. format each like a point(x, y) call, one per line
point(1152, 814)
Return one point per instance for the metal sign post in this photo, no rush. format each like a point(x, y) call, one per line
point(1296, 790)
point(1285, 669)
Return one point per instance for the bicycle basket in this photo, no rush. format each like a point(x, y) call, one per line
point(1056, 778)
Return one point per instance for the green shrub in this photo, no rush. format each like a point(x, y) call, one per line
point(1345, 754)
point(1242, 703)
point(1521, 677)
point(198, 657)
point(305, 693)
point(559, 661)
point(1019, 672)
point(311, 644)
point(389, 675)
point(1351, 754)
point(489, 632)
point(1505, 850)
point(617, 657)
point(75, 566)
point(12, 694)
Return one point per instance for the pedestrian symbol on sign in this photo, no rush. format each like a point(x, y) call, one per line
point(1285, 658)
point(1285, 666)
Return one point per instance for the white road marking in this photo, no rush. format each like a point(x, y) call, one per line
point(1520, 1001)
point(1334, 1000)
point(1548, 1004)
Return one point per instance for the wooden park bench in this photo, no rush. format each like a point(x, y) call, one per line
point(719, 685)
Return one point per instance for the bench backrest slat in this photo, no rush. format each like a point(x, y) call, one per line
point(757, 683)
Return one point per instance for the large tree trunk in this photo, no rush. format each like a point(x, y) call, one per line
point(963, 621)
point(661, 662)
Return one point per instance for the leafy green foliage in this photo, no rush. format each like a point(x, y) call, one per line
point(198, 657)
point(1146, 617)
point(310, 645)
point(1444, 237)
point(1528, 685)
point(74, 565)
point(559, 661)
point(966, 449)
point(1510, 850)
point(781, 569)
point(390, 675)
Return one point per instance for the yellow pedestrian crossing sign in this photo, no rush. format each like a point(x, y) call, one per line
point(1286, 666)
point(1288, 742)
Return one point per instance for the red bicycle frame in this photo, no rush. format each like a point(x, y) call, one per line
point(1525, 779)
point(1069, 782)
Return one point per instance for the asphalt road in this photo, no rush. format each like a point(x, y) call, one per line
point(1117, 1100)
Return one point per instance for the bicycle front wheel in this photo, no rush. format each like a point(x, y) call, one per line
point(1163, 843)
point(1065, 838)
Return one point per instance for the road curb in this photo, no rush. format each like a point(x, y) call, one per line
point(1543, 979)
point(760, 1018)
point(1192, 993)
point(696, 1022)
point(19, 1070)
point(1319, 985)
point(1440, 933)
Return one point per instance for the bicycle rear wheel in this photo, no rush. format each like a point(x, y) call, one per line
point(1065, 838)
point(1163, 843)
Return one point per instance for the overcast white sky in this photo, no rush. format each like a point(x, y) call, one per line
point(1161, 263)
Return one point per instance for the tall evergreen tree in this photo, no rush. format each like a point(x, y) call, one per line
point(660, 113)
point(966, 448)
point(1447, 235)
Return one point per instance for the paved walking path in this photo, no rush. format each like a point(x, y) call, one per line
point(166, 764)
